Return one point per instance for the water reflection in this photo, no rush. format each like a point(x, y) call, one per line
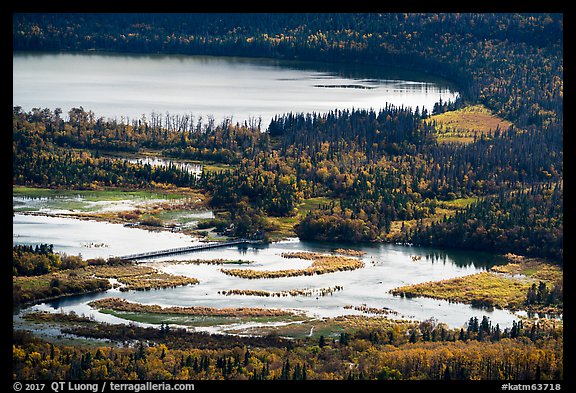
point(462, 258)
point(155, 161)
point(130, 86)
point(386, 266)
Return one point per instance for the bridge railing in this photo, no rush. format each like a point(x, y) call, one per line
point(185, 249)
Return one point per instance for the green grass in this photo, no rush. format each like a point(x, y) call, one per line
point(461, 125)
point(236, 262)
point(180, 216)
point(215, 167)
point(459, 203)
point(285, 225)
point(313, 204)
point(93, 195)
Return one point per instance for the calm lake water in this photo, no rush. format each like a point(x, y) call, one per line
point(115, 85)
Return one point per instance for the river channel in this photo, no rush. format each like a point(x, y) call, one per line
point(386, 266)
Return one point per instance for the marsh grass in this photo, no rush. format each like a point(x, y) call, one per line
point(139, 278)
point(31, 289)
point(121, 305)
point(292, 292)
point(197, 321)
point(504, 286)
point(329, 327)
point(534, 268)
point(154, 205)
point(217, 261)
point(93, 278)
point(486, 289)
point(95, 195)
point(321, 264)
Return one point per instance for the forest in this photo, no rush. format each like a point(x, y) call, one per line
point(384, 175)
point(378, 351)
point(381, 165)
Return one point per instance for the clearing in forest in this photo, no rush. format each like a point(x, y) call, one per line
point(461, 125)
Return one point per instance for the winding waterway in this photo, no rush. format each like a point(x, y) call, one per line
point(386, 266)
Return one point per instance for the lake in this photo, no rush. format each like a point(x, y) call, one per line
point(130, 86)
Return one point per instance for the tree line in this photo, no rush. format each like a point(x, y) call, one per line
point(528, 221)
point(424, 350)
point(512, 63)
point(382, 166)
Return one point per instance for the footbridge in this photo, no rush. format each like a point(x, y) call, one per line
point(187, 249)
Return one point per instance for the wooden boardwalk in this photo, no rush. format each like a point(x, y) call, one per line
point(181, 250)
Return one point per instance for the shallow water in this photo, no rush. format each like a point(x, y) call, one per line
point(386, 266)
